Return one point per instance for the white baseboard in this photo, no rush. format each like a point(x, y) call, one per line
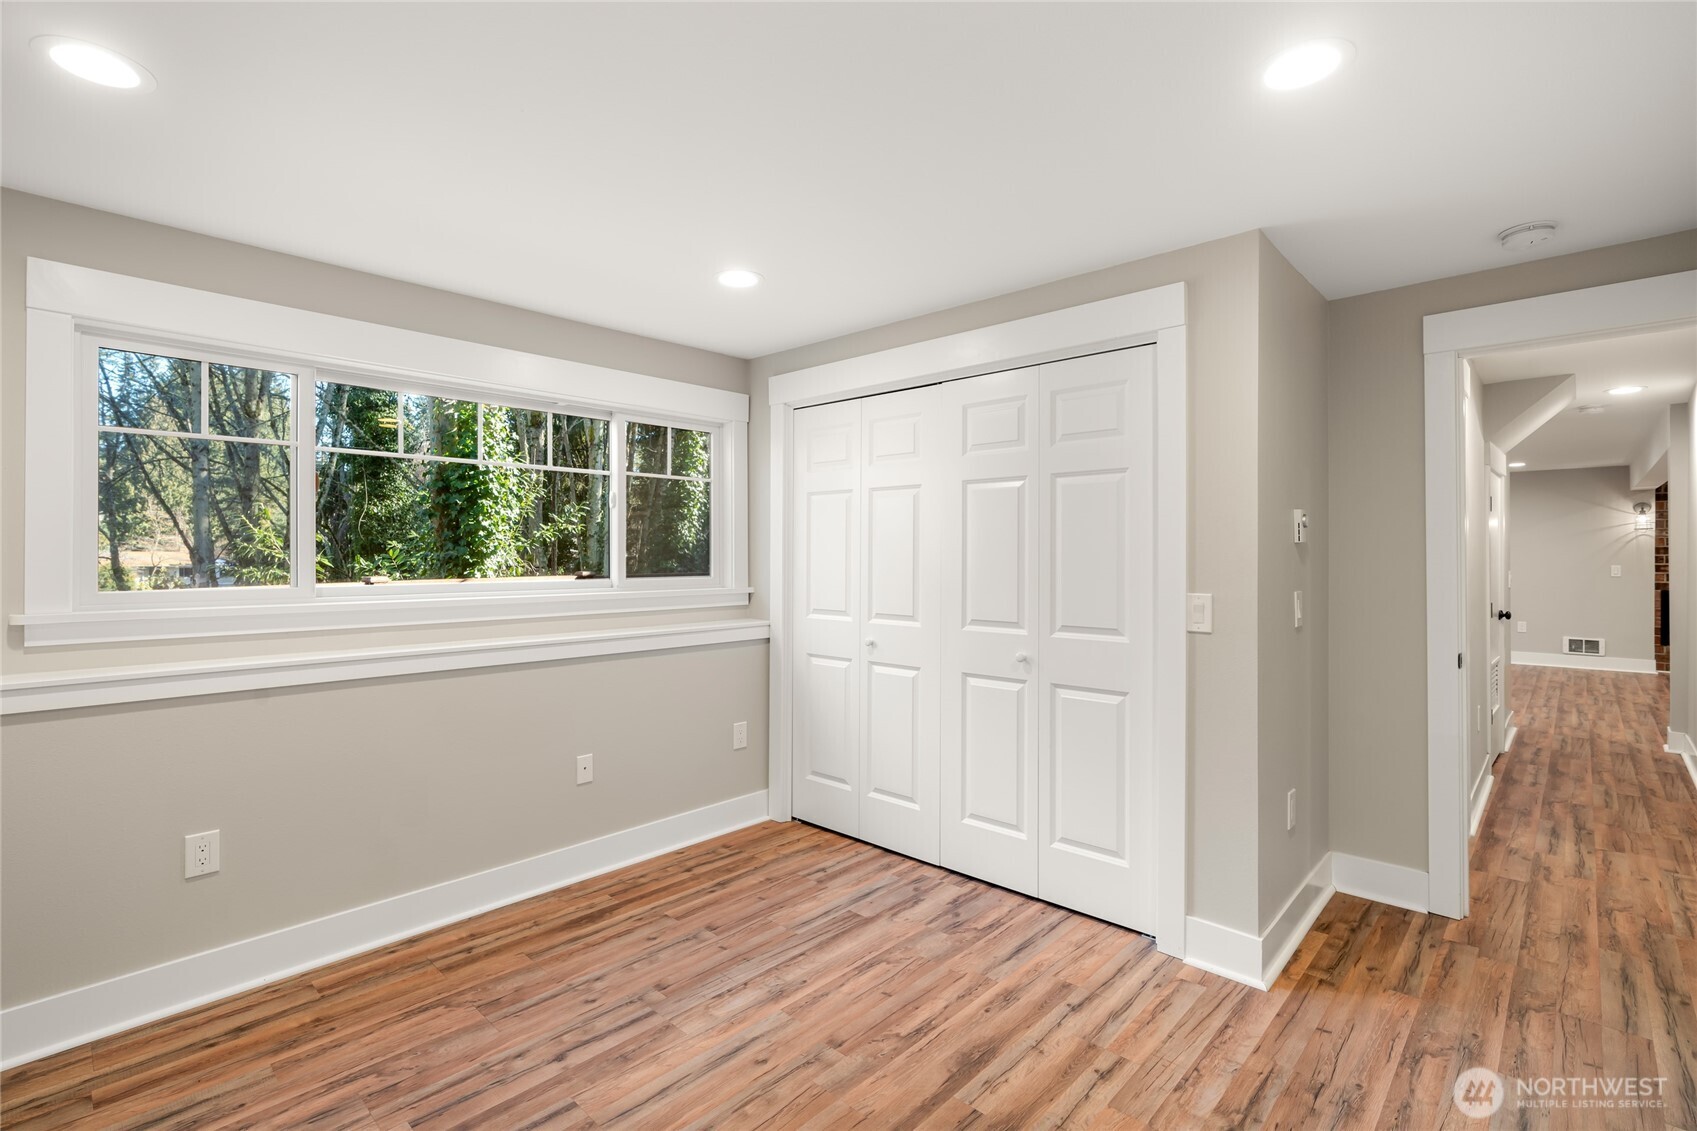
point(75, 1017)
point(1589, 663)
point(1380, 882)
point(1481, 794)
point(1681, 744)
point(1257, 960)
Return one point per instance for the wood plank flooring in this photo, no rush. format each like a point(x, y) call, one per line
point(785, 977)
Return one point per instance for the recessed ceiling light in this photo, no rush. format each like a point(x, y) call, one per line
point(1520, 463)
point(1625, 390)
point(95, 63)
point(1524, 237)
point(739, 278)
point(1307, 64)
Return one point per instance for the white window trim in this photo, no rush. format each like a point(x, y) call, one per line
point(66, 303)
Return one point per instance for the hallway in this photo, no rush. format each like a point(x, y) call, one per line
point(1583, 939)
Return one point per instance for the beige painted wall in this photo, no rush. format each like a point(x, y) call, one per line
point(1224, 282)
point(1292, 474)
point(1566, 529)
point(1682, 570)
point(1376, 437)
point(415, 781)
point(336, 796)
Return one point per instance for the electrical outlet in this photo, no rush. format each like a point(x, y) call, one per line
point(1299, 608)
point(585, 769)
point(739, 736)
point(1614, 571)
point(200, 854)
point(1520, 626)
point(1290, 810)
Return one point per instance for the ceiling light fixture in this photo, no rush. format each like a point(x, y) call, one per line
point(94, 63)
point(1525, 237)
point(1520, 463)
point(1625, 390)
point(739, 278)
point(1307, 64)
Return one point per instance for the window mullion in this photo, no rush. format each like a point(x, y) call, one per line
point(616, 460)
point(303, 505)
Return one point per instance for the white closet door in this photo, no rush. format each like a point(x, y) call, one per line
point(825, 739)
point(1094, 674)
point(901, 517)
point(990, 577)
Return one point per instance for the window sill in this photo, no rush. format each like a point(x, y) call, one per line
point(113, 626)
point(151, 682)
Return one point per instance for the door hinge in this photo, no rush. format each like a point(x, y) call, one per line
point(1458, 659)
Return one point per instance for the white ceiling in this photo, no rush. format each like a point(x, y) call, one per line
point(874, 161)
point(1664, 362)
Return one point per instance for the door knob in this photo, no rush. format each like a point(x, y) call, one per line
point(871, 643)
point(1019, 657)
point(1504, 614)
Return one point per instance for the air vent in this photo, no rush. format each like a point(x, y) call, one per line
point(1582, 646)
point(1496, 686)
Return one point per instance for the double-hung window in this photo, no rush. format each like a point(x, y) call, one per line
point(219, 489)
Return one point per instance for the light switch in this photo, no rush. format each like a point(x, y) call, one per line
point(1299, 608)
point(1200, 614)
point(1614, 571)
point(1520, 626)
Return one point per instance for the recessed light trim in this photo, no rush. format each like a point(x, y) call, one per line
point(1307, 64)
point(739, 278)
point(94, 63)
point(1625, 390)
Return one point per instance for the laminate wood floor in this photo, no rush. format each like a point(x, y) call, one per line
point(786, 977)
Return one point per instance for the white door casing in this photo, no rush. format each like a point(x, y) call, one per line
point(990, 640)
point(826, 637)
point(901, 510)
point(1499, 627)
point(1095, 677)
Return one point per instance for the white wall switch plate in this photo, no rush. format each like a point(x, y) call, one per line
point(1520, 626)
point(1299, 608)
point(1290, 810)
point(1199, 612)
point(1614, 571)
point(739, 736)
point(1299, 526)
point(200, 854)
point(585, 769)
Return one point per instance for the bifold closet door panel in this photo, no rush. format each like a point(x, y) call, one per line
point(1095, 676)
point(901, 527)
point(989, 581)
point(826, 558)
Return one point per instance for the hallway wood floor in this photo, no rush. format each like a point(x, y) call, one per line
point(785, 977)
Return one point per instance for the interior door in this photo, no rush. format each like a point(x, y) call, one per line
point(1094, 675)
point(901, 516)
point(825, 737)
point(1501, 611)
point(989, 646)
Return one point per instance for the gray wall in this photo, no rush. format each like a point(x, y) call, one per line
point(1376, 444)
point(1566, 528)
point(415, 781)
point(1292, 473)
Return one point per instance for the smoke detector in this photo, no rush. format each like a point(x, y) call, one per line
point(1525, 237)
